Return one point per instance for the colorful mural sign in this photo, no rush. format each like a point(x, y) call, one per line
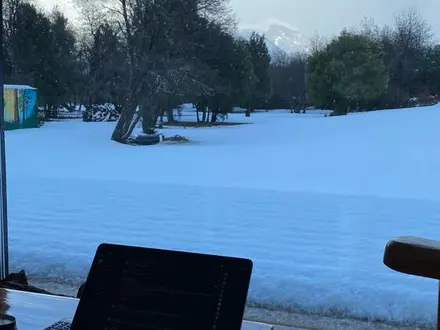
point(20, 107)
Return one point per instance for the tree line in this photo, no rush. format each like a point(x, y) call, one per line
point(374, 67)
point(364, 68)
point(39, 50)
point(147, 57)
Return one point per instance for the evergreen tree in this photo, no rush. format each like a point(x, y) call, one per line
point(61, 88)
point(106, 67)
point(261, 62)
point(348, 73)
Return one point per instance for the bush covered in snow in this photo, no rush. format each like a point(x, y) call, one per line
point(97, 113)
point(423, 100)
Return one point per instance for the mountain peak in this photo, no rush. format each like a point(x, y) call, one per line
point(280, 36)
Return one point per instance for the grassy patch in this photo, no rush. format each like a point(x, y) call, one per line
point(200, 124)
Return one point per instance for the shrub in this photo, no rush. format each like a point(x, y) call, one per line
point(100, 113)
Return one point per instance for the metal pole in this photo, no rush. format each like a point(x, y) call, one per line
point(438, 309)
point(4, 253)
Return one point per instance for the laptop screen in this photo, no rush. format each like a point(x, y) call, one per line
point(130, 288)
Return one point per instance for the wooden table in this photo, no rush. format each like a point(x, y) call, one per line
point(36, 311)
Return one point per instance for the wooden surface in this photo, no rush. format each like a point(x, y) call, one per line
point(35, 311)
point(414, 255)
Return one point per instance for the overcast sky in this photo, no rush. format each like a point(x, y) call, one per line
point(329, 17)
point(325, 17)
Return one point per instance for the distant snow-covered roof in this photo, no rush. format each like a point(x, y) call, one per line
point(18, 87)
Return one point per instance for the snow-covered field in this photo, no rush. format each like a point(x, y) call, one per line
point(312, 200)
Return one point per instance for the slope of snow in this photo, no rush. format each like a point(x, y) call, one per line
point(311, 199)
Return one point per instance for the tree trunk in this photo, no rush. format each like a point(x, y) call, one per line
point(207, 115)
point(126, 123)
point(150, 114)
point(53, 112)
point(198, 114)
point(341, 108)
point(170, 115)
point(214, 117)
point(249, 110)
point(146, 128)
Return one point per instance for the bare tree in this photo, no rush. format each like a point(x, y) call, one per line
point(160, 56)
point(410, 40)
point(370, 29)
point(411, 30)
point(219, 11)
point(138, 24)
point(318, 43)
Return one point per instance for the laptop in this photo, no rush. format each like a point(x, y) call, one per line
point(135, 288)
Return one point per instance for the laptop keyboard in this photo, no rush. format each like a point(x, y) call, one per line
point(60, 325)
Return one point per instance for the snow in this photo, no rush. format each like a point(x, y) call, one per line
point(312, 200)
